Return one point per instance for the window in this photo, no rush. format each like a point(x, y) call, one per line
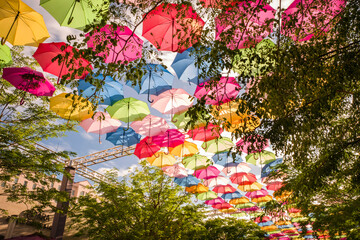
point(52, 185)
point(34, 186)
point(82, 193)
point(25, 183)
point(59, 188)
point(72, 192)
point(16, 180)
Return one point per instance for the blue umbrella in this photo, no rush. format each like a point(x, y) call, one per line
point(222, 158)
point(155, 80)
point(285, 226)
point(229, 196)
point(188, 181)
point(111, 92)
point(263, 224)
point(123, 137)
point(270, 167)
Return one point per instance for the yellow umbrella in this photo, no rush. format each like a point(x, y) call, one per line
point(245, 121)
point(161, 159)
point(284, 196)
point(269, 228)
point(229, 210)
point(262, 199)
point(72, 107)
point(200, 188)
point(184, 150)
point(20, 24)
point(237, 201)
point(249, 188)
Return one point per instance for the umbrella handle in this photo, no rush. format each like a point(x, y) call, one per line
point(71, 18)
point(3, 40)
point(149, 100)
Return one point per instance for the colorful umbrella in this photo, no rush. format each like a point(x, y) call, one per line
point(245, 25)
point(224, 205)
point(233, 195)
point(270, 167)
point(257, 194)
point(121, 44)
point(224, 189)
point(229, 210)
point(218, 92)
point(274, 186)
point(123, 137)
point(214, 201)
point(246, 204)
point(196, 162)
point(21, 25)
point(171, 138)
point(262, 199)
point(110, 92)
point(218, 145)
point(224, 158)
point(197, 189)
point(232, 168)
point(206, 173)
point(46, 52)
point(187, 181)
point(146, 148)
point(264, 157)
point(172, 101)
point(180, 120)
point(243, 178)
point(249, 188)
point(205, 133)
point(150, 126)
point(161, 159)
point(172, 27)
point(29, 80)
point(238, 201)
point(207, 196)
point(175, 171)
point(75, 13)
point(186, 149)
point(128, 110)
point(213, 182)
point(252, 144)
point(71, 107)
point(5, 56)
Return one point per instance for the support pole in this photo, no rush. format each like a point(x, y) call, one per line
point(11, 227)
point(58, 227)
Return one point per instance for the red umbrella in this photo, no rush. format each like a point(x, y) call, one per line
point(253, 144)
point(205, 133)
point(48, 51)
point(220, 92)
point(224, 189)
point(206, 173)
point(128, 45)
point(250, 22)
point(146, 148)
point(172, 27)
point(274, 186)
point(224, 205)
point(171, 138)
point(262, 219)
point(243, 178)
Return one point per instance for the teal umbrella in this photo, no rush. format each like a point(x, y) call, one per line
point(75, 13)
point(5, 56)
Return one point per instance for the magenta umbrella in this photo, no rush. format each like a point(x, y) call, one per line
point(171, 138)
point(309, 18)
point(206, 173)
point(29, 80)
point(215, 201)
point(175, 171)
point(150, 126)
point(128, 45)
point(253, 144)
point(217, 93)
point(251, 24)
point(257, 194)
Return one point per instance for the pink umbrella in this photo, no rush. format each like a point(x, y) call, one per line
point(252, 144)
point(304, 19)
point(172, 101)
point(100, 123)
point(212, 182)
point(232, 168)
point(251, 24)
point(257, 194)
point(243, 178)
point(150, 126)
point(171, 138)
point(128, 45)
point(29, 80)
point(224, 189)
point(218, 92)
point(206, 173)
point(205, 133)
point(215, 201)
point(224, 205)
point(175, 171)
point(250, 209)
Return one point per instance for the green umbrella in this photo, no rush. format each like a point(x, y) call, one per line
point(245, 205)
point(263, 157)
point(207, 196)
point(196, 162)
point(180, 120)
point(75, 13)
point(218, 145)
point(5, 56)
point(239, 215)
point(128, 110)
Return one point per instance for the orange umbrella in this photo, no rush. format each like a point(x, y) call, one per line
point(200, 188)
point(237, 201)
point(249, 188)
point(184, 150)
point(262, 199)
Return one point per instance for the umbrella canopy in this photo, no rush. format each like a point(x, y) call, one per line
point(205, 133)
point(237, 201)
point(127, 47)
point(110, 93)
point(75, 13)
point(180, 120)
point(172, 27)
point(224, 189)
point(128, 110)
point(218, 92)
point(256, 194)
point(218, 145)
point(71, 107)
point(187, 181)
point(29, 80)
point(214, 201)
point(150, 126)
point(213, 182)
point(171, 138)
point(252, 144)
point(5, 56)
point(161, 159)
point(249, 188)
point(233, 195)
point(263, 157)
point(250, 22)
point(274, 186)
point(21, 25)
point(206, 173)
point(46, 52)
point(123, 137)
point(226, 157)
point(100, 123)
point(186, 149)
point(224, 205)
point(175, 171)
point(228, 210)
point(196, 162)
point(245, 204)
point(262, 199)
point(243, 178)
point(207, 196)
point(146, 148)
point(197, 189)
point(172, 101)
point(232, 168)
point(270, 167)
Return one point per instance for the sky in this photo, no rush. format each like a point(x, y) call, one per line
point(83, 143)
